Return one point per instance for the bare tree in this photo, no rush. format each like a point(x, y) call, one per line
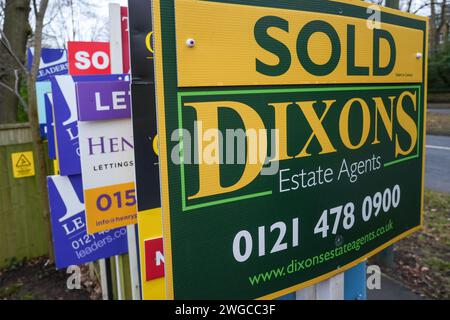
point(442, 26)
point(14, 53)
point(409, 5)
point(38, 146)
point(63, 23)
point(13, 39)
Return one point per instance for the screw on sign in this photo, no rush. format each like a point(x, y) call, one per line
point(23, 164)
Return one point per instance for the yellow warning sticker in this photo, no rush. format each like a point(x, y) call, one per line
point(23, 164)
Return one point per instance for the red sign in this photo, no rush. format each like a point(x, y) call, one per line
point(154, 259)
point(125, 39)
point(89, 58)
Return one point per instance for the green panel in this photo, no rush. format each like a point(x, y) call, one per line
point(124, 269)
point(23, 231)
point(114, 278)
point(217, 220)
point(127, 277)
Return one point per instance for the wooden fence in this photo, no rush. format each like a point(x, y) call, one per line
point(23, 232)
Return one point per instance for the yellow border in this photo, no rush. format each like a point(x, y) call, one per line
point(425, 111)
point(340, 270)
point(160, 103)
point(161, 116)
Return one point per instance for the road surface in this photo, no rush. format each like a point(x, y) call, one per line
point(438, 163)
point(440, 111)
point(437, 105)
point(392, 290)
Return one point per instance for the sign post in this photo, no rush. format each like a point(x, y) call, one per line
point(291, 148)
point(119, 47)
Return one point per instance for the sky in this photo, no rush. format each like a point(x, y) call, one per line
point(91, 29)
point(123, 3)
point(86, 28)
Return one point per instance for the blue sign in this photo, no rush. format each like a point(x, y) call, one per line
point(53, 62)
point(42, 88)
point(66, 119)
point(72, 244)
point(50, 126)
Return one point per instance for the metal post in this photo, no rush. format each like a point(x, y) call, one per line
point(330, 289)
point(355, 283)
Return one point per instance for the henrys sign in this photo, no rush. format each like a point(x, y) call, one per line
point(66, 118)
point(73, 246)
point(107, 154)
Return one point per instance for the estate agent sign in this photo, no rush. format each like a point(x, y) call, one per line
point(73, 245)
point(107, 154)
point(291, 140)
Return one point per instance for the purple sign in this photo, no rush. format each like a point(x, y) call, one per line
point(66, 118)
point(53, 62)
point(103, 100)
point(72, 244)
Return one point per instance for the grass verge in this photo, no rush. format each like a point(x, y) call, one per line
point(422, 261)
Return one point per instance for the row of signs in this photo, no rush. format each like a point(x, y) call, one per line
point(94, 198)
point(84, 196)
point(85, 115)
point(288, 149)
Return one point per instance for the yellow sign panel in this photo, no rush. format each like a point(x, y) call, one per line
point(55, 167)
point(150, 231)
point(23, 164)
point(271, 46)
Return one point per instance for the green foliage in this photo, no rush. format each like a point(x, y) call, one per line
point(439, 70)
point(7, 292)
point(14, 264)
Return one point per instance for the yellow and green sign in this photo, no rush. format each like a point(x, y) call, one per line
point(291, 140)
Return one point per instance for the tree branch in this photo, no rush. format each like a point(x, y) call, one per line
point(35, 8)
point(423, 6)
point(4, 40)
point(38, 38)
point(17, 94)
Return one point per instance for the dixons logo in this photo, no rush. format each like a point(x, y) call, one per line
point(267, 136)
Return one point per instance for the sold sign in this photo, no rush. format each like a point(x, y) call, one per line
point(89, 58)
point(331, 168)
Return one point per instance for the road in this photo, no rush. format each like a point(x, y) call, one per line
point(392, 290)
point(440, 111)
point(441, 108)
point(438, 163)
point(433, 105)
